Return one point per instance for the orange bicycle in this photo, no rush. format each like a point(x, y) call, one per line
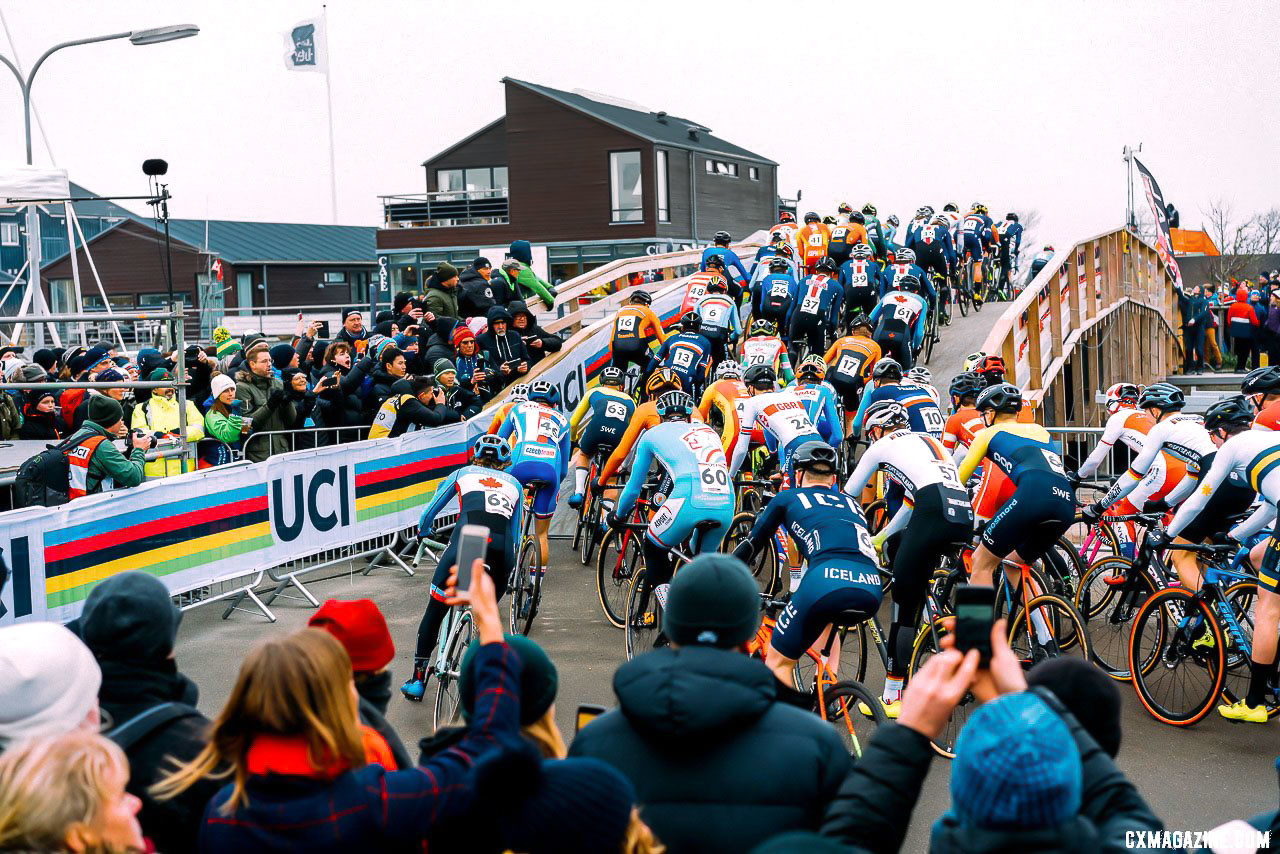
point(846, 704)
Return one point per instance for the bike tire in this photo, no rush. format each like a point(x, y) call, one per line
point(1108, 611)
point(764, 565)
point(616, 564)
point(855, 713)
point(1159, 647)
point(1068, 635)
point(962, 300)
point(852, 661)
point(591, 532)
point(1241, 597)
point(525, 589)
point(641, 639)
point(447, 710)
point(922, 650)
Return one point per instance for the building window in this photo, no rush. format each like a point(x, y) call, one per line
point(664, 211)
point(8, 234)
point(722, 167)
point(475, 179)
point(753, 172)
point(625, 191)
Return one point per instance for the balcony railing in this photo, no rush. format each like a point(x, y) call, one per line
point(446, 209)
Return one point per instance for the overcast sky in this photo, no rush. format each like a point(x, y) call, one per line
point(1022, 104)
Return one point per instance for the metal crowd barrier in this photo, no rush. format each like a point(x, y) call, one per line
point(313, 437)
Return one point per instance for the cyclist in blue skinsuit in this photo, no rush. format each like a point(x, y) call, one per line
point(540, 452)
point(773, 298)
point(901, 319)
point(923, 413)
point(692, 457)
point(486, 496)
point(817, 311)
point(819, 399)
point(688, 353)
point(830, 533)
point(721, 248)
point(904, 264)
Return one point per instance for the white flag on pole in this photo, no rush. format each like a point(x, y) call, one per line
point(307, 47)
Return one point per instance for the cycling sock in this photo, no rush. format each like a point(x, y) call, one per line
point(419, 669)
point(580, 481)
point(1259, 676)
point(892, 689)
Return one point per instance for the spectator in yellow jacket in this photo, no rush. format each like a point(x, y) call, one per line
point(159, 416)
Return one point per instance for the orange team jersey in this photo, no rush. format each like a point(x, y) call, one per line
point(814, 238)
point(697, 289)
point(994, 491)
point(788, 230)
point(725, 397)
point(847, 236)
point(1269, 417)
point(500, 416)
point(637, 323)
point(961, 427)
point(853, 356)
point(645, 416)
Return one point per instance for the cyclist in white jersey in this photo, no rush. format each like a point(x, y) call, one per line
point(1255, 456)
point(922, 377)
point(763, 347)
point(782, 415)
point(935, 518)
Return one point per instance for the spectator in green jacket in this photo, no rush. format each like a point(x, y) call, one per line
point(441, 298)
point(520, 283)
point(265, 404)
point(108, 468)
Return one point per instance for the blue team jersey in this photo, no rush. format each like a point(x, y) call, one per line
point(537, 432)
point(922, 412)
point(818, 296)
point(893, 273)
point(719, 315)
point(692, 455)
point(819, 400)
point(485, 497)
point(775, 296)
point(824, 523)
point(858, 275)
point(731, 260)
point(688, 354)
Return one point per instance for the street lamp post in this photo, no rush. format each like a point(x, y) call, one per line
point(139, 37)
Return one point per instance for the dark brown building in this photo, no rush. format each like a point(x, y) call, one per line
point(227, 272)
point(587, 177)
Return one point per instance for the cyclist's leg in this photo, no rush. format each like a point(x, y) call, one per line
point(1227, 500)
point(1266, 556)
point(580, 464)
point(544, 506)
point(825, 591)
point(433, 616)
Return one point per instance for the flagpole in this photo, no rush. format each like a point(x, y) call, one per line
point(328, 95)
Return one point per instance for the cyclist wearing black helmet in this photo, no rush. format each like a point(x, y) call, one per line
point(812, 239)
point(849, 363)
point(1043, 505)
point(817, 310)
point(860, 277)
point(782, 416)
point(900, 320)
point(875, 231)
point(838, 562)
point(688, 353)
point(486, 495)
point(843, 238)
point(1262, 387)
point(777, 250)
point(720, 247)
point(965, 420)
point(773, 296)
point(1254, 456)
point(635, 329)
point(762, 346)
point(597, 425)
point(1010, 246)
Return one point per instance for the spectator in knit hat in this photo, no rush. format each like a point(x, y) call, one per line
point(48, 683)
point(441, 297)
point(283, 356)
point(362, 630)
point(1088, 693)
point(476, 295)
point(1027, 776)
point(473, 368)
point(39, 418)
point(465, 401)
point(130, 625)
point(353, 331)
point(106, 468)
point(718, 762)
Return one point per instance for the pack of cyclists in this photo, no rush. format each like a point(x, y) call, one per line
point(796, 370)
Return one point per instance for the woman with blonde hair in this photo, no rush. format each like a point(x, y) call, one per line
point(66, 793)
point(290, 740)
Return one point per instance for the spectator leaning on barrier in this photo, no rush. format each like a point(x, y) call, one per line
point(461, 400)
point(718, 762)
point(158, 416)
point(97, 465)
point(476, 295)
point(537, 340)
point(503, 347)
point(470, 363)
point(130, 625)
point(48, 683)
point(265, 405)
point(222, 422)
point(529, 285)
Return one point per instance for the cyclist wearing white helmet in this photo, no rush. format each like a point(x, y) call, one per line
point(519, 394)
point(922, 377)
point(860, 277)
point(539, 437)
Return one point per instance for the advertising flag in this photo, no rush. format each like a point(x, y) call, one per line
point(307, 47)
point(1164, 242)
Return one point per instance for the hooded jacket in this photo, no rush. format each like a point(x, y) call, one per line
point(507, 348)
point(44, 426)
point(717, 762)
point(439, 300)
point(550, 343)
point(476, 295)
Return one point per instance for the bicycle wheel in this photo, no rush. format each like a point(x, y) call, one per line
point(852, 661)
point(448, 706)
point(525, 589)
point(1108, 611)
point(616, 564)
point(764, 566)
point(644, 626)
point(921, 651)
point(1068, 560)
point(582, 520)
point(1047, 627)
point(591, 529)
point(1176, 657)
point(929, 334)
point(877, 513)
point(855, 712)
point(962, 300)
point(1240, 597)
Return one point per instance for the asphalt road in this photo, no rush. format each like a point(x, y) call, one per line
point(1194, 778)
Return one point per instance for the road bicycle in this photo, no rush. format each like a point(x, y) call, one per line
point(586, 534)
point(1188, 649)
point(457, 632)
point(644, 606)
point(964, 295)
point(526, 578)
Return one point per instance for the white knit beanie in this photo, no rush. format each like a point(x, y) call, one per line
point(48, 681)
point(221, 383)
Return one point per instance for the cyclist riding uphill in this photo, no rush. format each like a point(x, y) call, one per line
point(635, 329)
point(840, 574)
point(773, 298)
point(699, 506)
point(782, 415)
point(721, 248)
point(486, 496)
point(539, 436)
point(901, 319)
point(720, 322)
point(935, 518)
point(688, 353)
point(819, 399)
point(860, 278)
point(903, 265)
point(922, 411)
point(598, 424)
point(817, 312)
point(763, 347)
point(1043, 505)
point(662, 381)
point(1255, 456)
point(875, 231)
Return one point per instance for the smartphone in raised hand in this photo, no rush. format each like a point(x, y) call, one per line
point(975, 611)
point(587, 712)
point(473, 542)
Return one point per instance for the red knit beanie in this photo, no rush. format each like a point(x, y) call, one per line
point(462, 333)
point(361, 629)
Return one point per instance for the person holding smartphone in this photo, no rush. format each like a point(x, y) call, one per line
point(487, 496)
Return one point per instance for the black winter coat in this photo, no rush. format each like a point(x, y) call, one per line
point(130, 688)
point(475, 294)
point(717, 762)
point(873, 809)
point(550, 343)
point(40, 425)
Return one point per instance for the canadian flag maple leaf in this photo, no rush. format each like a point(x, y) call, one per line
point(491, 482)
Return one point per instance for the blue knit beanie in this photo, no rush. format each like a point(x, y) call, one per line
point(1016, 767)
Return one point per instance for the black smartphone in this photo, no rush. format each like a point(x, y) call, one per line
point(473, 542)
point(587, 712)
point(975, 610)
point(323, 331)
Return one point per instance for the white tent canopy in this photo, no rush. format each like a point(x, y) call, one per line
point(32, 182)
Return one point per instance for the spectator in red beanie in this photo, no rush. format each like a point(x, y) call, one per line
point(362, 630)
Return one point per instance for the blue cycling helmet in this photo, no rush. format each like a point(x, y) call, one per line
point(492, 450)
point(544, 392)
point(1255, 294)
point(1163, 396)
point(675, 405)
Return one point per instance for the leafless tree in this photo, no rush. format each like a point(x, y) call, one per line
point(1238, 240)
point(1267, 232)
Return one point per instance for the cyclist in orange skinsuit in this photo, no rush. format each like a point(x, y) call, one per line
point(813, 239)
point(635, 328)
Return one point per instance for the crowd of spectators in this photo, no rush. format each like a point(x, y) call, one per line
point(1237, 317)
point(431, 359)
point(102, 747)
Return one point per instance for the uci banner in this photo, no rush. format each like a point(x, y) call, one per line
point(1164, 242)
point(216, 524)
